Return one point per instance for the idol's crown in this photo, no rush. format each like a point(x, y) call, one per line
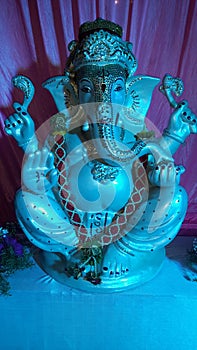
point(100, 44)
point(91, 27)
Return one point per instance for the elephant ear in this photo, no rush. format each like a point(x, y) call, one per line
point(139, 91)
point(62, 91)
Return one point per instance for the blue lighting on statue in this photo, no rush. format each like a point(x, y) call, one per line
point(102, 196)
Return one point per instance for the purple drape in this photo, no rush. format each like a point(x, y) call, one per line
point(34, 37)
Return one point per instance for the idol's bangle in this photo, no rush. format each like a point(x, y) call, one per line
point(31, 141)
point(173, 136)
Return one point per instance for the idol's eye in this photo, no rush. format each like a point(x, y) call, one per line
point(86, 89)
point(118, 88)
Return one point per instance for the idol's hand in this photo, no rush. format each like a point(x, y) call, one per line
point(39, 174)
point(20, 126)
point(183, 122)
point(165, 174)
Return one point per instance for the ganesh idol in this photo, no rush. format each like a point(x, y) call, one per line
point(101, 198)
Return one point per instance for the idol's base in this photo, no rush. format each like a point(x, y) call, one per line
point(55, 265)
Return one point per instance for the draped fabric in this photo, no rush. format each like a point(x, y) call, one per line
point(34, 36)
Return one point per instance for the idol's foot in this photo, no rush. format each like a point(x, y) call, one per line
point(116, 263)
point(130, 268)
point(116, 271)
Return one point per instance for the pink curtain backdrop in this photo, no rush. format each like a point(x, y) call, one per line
point(34, 36)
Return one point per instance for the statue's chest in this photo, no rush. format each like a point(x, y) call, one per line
point(96, 187)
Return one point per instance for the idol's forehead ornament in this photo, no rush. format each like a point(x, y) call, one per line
point(101, 55)
point(100, 43)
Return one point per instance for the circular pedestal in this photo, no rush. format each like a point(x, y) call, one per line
point(143, 267)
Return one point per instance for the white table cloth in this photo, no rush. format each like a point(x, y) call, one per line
point(159, 315)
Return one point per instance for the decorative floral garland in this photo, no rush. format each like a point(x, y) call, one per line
point(190, 271)
point(14, 254)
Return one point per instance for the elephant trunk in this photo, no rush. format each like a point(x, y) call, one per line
point(120, 152)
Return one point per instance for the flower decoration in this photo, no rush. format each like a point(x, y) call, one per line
point(88, 267)
point(14, 254)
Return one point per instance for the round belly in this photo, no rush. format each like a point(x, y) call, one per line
point(94, 190)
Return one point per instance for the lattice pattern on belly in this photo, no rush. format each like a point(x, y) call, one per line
point(116, 229)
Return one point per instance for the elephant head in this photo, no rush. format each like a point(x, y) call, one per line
point(99, 77)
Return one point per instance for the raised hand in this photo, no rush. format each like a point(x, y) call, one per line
point(183, 121)
point(20, 125)
point(39, 174)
